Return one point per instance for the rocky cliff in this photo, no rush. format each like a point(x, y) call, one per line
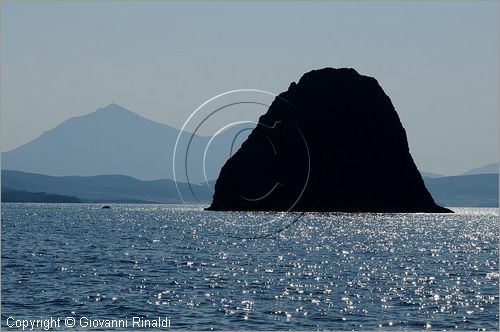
point(331, 142)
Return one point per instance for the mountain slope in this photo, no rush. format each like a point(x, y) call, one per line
point(105, 187)
point(488, 169)
point(467, 190)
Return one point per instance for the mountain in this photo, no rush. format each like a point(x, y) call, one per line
point(332, 142)
point(117, 188)
point(114, 140)
point(488, 169)
point(467, 190)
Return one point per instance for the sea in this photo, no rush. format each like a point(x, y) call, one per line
point(202, 270)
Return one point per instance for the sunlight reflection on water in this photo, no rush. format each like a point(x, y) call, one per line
point(328, 271)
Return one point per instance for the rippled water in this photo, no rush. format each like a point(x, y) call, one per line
point(326, 271)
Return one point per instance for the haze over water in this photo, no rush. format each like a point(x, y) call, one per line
point(327, 271)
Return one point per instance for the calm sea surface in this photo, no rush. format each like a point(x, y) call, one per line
point(325, 271)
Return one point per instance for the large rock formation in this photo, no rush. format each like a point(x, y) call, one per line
point(332, 142)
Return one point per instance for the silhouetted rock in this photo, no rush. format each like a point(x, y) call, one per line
point(332, 142)
point(106, 207)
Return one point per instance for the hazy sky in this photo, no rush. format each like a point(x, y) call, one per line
point(437, 61)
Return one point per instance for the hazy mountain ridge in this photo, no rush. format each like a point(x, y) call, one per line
point(479, 190)
point(492, 168)
point(106, 187)
point(14, 195)
point(466, 191)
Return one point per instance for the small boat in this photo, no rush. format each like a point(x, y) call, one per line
point(106, 207)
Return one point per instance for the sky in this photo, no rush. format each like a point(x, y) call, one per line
point(437, 61)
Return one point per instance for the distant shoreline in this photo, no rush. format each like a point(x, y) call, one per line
point(479, 190)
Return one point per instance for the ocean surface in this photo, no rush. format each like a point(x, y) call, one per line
point(265, 271)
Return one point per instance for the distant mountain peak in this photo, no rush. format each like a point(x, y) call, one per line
point(115, 113)
point(113, 108)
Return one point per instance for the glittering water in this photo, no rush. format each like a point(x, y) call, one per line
point(326, 271)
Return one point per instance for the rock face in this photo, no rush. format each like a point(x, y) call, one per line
point(332, 142)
